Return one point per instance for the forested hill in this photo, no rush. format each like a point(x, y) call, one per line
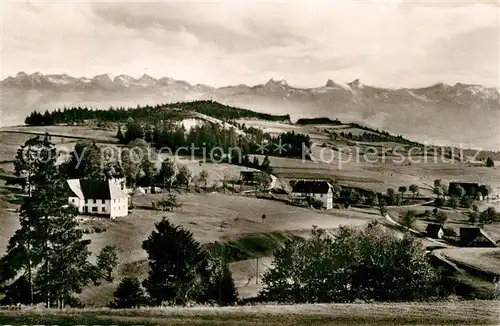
point(147, 113)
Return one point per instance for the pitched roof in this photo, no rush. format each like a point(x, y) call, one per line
point(471, 188)
point(75, 189)
point(312, 187)
point(433, 228)
point(470, 234)
point(95, 189)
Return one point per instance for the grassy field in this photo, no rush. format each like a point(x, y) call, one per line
point(435, 313)
point(237, 219)
point(215, 217)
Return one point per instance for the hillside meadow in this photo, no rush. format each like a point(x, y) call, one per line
point(420, 314)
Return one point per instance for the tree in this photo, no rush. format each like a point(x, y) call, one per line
point(167, 173)
point(414, 189)
point(85, 162)
point(226, 179)
point(221, 289)
point(179, 268)
point(402, 190)
point(473, 217)
point(453, 202)
point(438, 189)
point(120, 135)
point(134, 130)
point(489, 215)
point(169, 203)
point(458, 191)
point(371, 199)
point(149, 173)
point(25, 163)
point(266, 165)
point(352, 264)
point(466, 202)
point(129, 294)
point(408, 218)
point(392, 196)
point(203, 177)
point(382, 207)
point(255, 162)
point(489, 162)
point(441, 217)
point(107, 260)
point(484, 190)
point(184, 176)
point(48, 248)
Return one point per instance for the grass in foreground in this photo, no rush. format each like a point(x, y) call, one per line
point(442, 313)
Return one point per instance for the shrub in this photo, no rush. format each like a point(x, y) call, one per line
point(453, 202)
point(489, 215)
point(369, 264)
point(439, 202)
point(450, 232)
point(129, 294)
point(489, 162)
point(179, 268)
point(315, 203)
point(167, 204)
point(408, 218)
point(466, 202)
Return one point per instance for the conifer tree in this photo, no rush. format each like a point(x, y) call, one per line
point(48, 249)
point(179, 268)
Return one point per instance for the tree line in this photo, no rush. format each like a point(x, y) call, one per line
point(211, 139)
point(148, 112)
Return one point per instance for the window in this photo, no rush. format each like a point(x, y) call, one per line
point(94, 209)
point(321, 195)
point(73, 200)
point(114, 201)
point(104, 209)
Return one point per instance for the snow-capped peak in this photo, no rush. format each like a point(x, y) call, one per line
point(331, 84)
point(146, 80)
point(356, 84)
point(273, 82)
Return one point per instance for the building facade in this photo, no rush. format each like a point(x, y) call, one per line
point(98, 197)
point(318, 189)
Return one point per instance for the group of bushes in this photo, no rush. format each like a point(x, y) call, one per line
point(352, 264)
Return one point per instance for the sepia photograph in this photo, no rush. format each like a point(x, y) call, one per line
point(250, 162)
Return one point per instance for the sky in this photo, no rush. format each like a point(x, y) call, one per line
point(382, 43)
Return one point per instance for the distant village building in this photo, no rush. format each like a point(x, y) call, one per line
point(471, 189)
point(321, 190)
point(475, 237)
point(99, 197)
point(434, 230)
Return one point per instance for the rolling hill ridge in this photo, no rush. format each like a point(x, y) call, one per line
point(460, 114)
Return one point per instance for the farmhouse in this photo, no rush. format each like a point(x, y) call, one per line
point(471, 189)
point(434, 230)
point(98, 197)
point(475, 237)
point(318, 189)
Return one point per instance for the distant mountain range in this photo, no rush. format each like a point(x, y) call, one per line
point(448, 114)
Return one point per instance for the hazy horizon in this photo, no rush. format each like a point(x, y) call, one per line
point(396, 44)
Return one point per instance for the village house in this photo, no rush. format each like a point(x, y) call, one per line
point(320, 190)
point(434, 230)
point(476, 237)
point(99, 197)
point(471, 189)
